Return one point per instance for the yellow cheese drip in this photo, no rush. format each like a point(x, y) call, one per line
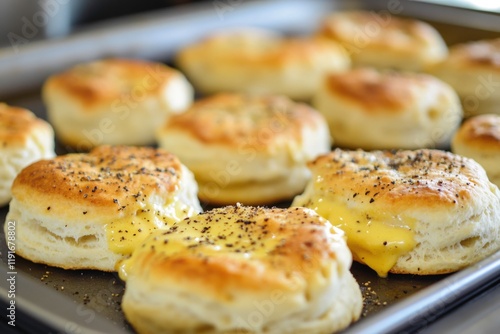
point(229, 234)
point(126, 233)
point(376, 239)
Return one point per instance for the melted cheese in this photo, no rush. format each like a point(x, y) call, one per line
point(376, 239)
point(208, 236)
point(126, 233)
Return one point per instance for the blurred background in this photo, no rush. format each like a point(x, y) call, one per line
point(32, 20)
point(39, 19)
point(41, 37)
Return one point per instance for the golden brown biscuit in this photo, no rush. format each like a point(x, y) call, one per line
point(479, 138)
point(473, 70)
point(114, 101)
point(242, 269)
point(249, 149)
point(386, 110)
point(385, 41)
point(89, 211)
point(24, 139)
point(421, 212)
point(261, 62)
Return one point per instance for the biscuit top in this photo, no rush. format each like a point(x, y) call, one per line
point(243, 120)
point(111, 80)
point(17, 126)
point(381, 92)
point(383, 200)
point(262, 48)
point(482, 132)
point(400, 179)
point(108, 181)
point(479, 54)
point(238, 248)
point(378, 31)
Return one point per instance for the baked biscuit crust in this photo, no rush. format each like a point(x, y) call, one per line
point(479, 138)
point(480, 132)
point(473, 69)
point(110, 179)
point(371, 109)
point(113, 101)
point(438, 205)
point(261, 62)
point(19, 125)
point(248, 149)
point(24, 139)
point(377, 92)
point(477, 54)
point(232, 119)
point(211, 271)
point(105, 81)
point(385, 41)
point(89, 211)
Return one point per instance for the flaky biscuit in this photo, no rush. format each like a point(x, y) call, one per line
point(473, 70)
point(242, 269)
point(113, 101)
point(420, 212)
point(369, 109)
point(384, 40)
point(479, 138)
point(89, 211)
point(260, 62)
point(249, 149)
point(24, 139)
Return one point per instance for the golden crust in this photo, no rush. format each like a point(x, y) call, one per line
point(376, 92)
point(107, 181)
point(398, 34)
point(108, 80)
point(264, 51)
point(18, 124)
point(234, 120)
point(261, 62)
point(238, 248)
point(483, 54)
point(425, 178)
point(481, 132)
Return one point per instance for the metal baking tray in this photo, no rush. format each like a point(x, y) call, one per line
point(81, 301)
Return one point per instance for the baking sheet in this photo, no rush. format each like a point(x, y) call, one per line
point(388, 302)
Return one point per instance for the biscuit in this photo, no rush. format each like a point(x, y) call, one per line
point(24, 139)
point(260, 62)
point(421, 212)
point(242, 269)
point(370, 110)
point(90, 210)
point(479, 138)
point(113, 101)
point(385, 41)
point(473, 70)
point(248, 149)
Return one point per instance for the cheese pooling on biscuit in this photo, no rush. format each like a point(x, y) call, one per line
point(85, 208)
point(210, 270)
point(398, 204)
